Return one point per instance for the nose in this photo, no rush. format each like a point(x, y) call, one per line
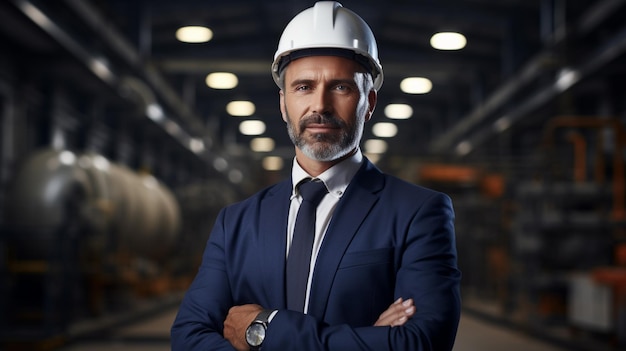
point(322, 102)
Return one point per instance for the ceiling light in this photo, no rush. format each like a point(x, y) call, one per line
point(464, 148)
point(221, 80)
point(155, 112)
point(194, 34)
point(220, 164)
point(384, 129)
point(262, 144)
point(196, 145)
point(567, 78)
point(172, 127)
point(272, 163)
point(448, 41)
point(240, 108)
point(100, 68)
point(416, 85)
point(375, 146)
point(36, 15)
point(252, 127)
point(502, 124)
point(235, 176)
point(398, 111)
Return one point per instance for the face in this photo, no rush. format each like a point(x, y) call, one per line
point(326, 101)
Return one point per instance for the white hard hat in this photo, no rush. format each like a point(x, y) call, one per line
point(328, 29)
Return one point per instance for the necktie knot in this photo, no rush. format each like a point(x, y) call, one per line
point(312, 191)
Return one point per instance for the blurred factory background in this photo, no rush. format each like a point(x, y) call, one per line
point(116, 154)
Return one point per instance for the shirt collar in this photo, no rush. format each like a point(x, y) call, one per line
point(336, 178)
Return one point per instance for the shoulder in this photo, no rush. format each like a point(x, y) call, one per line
point(398, 190)
point(402, 190)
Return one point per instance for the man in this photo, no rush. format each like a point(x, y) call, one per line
point(382, 273)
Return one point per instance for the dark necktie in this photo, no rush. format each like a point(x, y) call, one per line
point(299, 259)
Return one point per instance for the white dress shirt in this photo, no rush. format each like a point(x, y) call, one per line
point(336, 180)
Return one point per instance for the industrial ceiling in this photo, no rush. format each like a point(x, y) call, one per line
point(526, 61)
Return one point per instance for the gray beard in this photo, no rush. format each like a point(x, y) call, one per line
point(325, 149)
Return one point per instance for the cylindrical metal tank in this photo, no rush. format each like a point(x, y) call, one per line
point(109, 206)
point(47, 199)
point(157, 218)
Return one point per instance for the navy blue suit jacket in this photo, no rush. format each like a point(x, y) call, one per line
point(387, 239)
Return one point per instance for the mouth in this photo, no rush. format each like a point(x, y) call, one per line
point(320, 124)
point(315, 128)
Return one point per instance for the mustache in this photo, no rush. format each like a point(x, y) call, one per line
point(317, 118)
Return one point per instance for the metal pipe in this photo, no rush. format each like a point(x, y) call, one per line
point(618, 182)
point(596, 13)
point(580, 155)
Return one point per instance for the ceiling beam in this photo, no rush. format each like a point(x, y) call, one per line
point(450, 140)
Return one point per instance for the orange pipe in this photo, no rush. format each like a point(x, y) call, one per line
point(619, 193)
point(580, 156)
point(600, 165)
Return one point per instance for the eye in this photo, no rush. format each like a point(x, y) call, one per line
point(302, 87)
point(343, 88)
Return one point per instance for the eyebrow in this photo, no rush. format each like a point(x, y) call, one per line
point(346, 81)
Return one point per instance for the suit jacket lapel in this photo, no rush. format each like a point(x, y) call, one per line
point(351, 210)
point(274, 212)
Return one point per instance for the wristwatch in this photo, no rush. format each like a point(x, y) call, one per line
point(255, 334)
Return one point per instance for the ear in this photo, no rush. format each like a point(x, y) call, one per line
point(372, 97)
point(282, 105)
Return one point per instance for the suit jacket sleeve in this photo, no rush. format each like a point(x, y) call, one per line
point(199, 323)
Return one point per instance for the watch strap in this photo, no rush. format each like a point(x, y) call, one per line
point(263, 316)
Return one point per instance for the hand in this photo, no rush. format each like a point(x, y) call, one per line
point(236, 323)
point(397, 314)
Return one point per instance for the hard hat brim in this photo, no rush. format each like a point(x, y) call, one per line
point(284, 60)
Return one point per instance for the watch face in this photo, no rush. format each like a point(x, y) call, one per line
point(255, 334)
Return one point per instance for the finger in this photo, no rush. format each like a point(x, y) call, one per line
point(392, 320)
point(397, 314)
point(392, 309)
point(409, 307)
point(390, 316)
point(399, 322)
point(404, 316)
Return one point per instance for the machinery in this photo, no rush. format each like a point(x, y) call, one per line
point(86, 237)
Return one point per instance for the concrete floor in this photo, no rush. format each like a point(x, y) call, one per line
point(475, 334)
